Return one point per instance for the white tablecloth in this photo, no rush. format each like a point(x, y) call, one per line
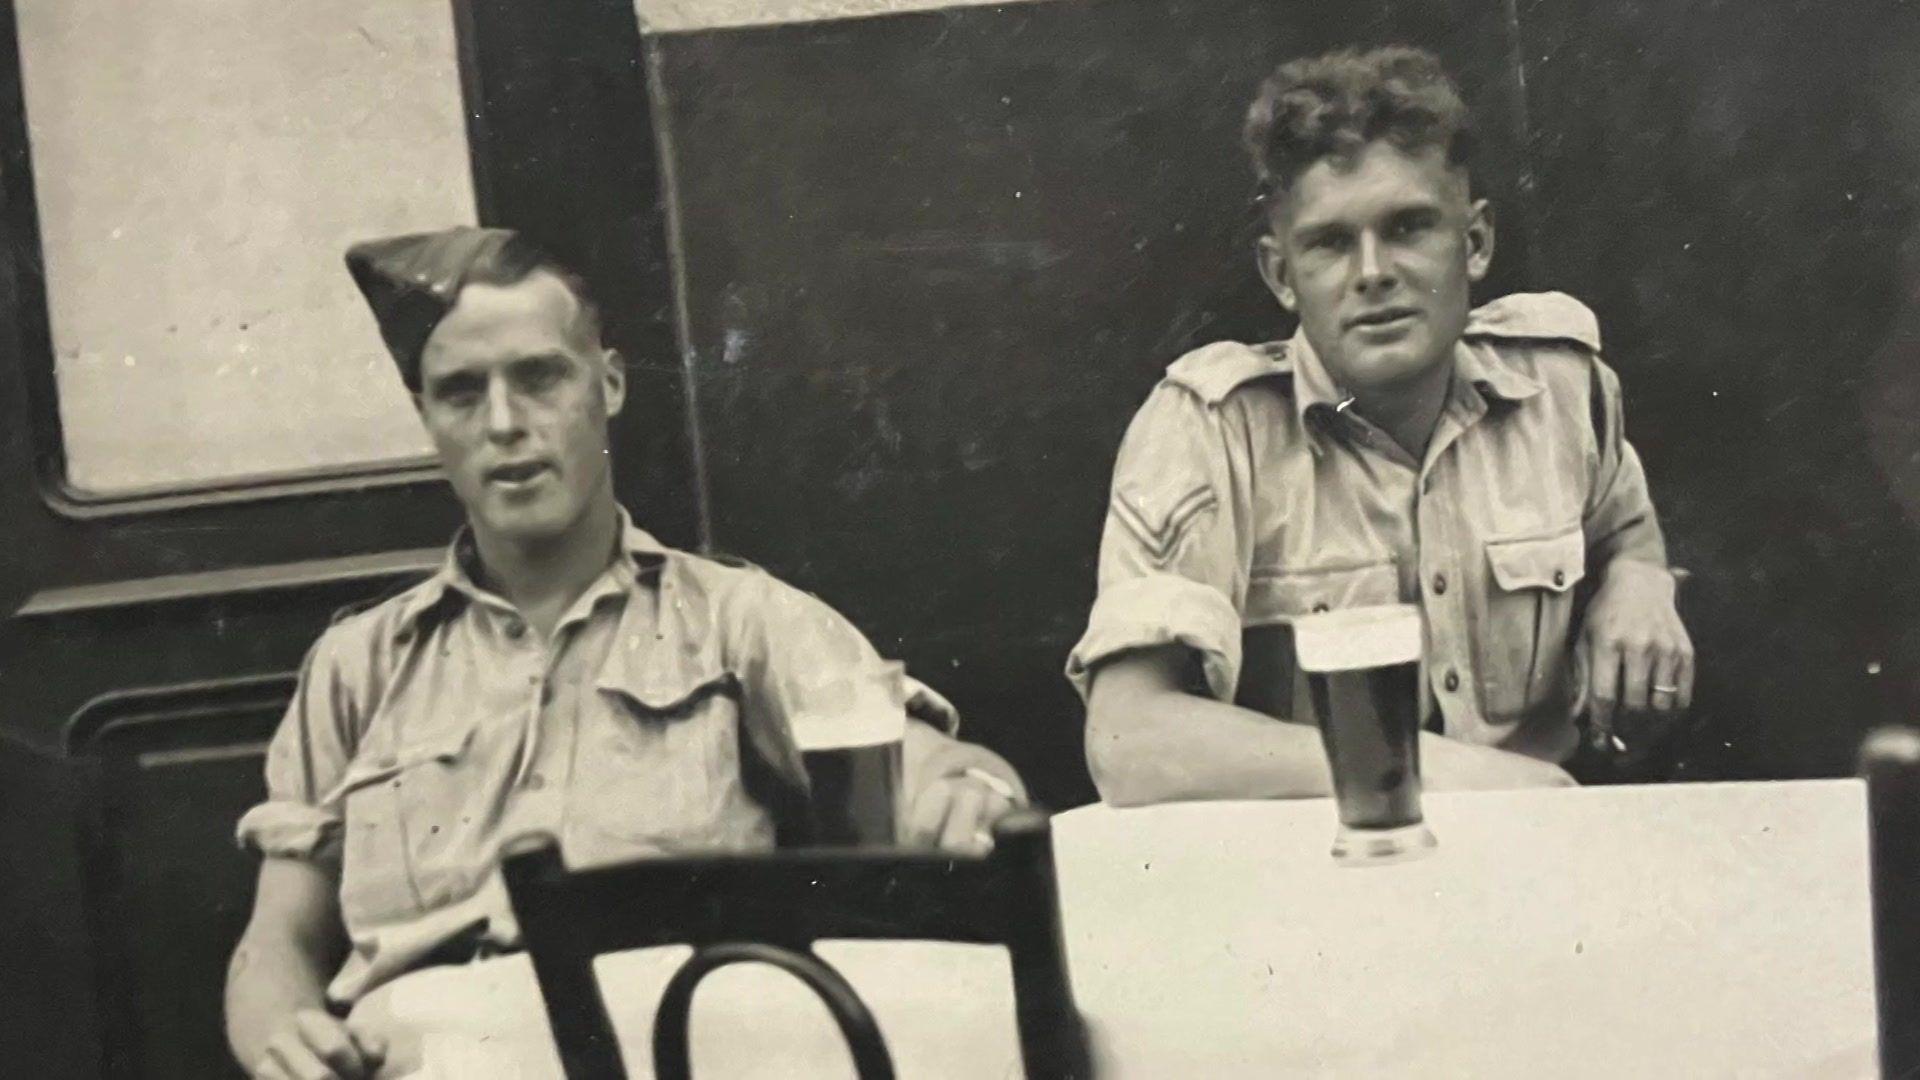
point(1675, 930)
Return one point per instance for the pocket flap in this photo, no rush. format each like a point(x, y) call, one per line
point(1554, 563)
point(665, 693)
point(1277, 597)
point(448, 745)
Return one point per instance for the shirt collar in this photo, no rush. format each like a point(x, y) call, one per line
point(1313, 388)
point(1318, 398)
point(454, 580)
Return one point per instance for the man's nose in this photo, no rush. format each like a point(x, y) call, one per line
point(1372, 272)
point(503, 412)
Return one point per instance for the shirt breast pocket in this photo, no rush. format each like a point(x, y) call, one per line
point(400, 808)
point(1526, 647)
point(664, 773)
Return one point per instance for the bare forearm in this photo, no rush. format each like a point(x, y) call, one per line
point(1196, 748)
point(921, 751)
point(272, 976)
point(284, 958)
point(1148, 741)
point(1172, 746)
point(929, 755)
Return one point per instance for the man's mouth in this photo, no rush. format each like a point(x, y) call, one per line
point(1383, 318)
point(517, 474)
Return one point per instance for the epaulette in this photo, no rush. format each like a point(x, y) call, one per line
point(360, 607)
point(1214, 371)
point(1547, 316)
point(733, 562)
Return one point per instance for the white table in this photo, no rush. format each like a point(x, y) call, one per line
point(1676, 930)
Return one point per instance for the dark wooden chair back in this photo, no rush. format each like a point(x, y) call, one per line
point(1890, 762)
point(772, 908)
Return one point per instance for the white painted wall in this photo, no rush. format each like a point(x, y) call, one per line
point(201, 166)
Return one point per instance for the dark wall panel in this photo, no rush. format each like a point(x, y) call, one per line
point(1732, 187)
point(932, 265)
point(563, 150)
point(54, 1012)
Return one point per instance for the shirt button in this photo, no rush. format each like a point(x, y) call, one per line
point(1439, 584)
point(1559, 578)
point(516, 629)
point(536, 782)
point(1452, 681)
point(1320, 607)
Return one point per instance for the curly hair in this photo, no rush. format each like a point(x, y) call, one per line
point(1333, 105)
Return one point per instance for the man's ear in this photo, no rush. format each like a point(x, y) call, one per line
point(1479, 239)
point(613, 376)
point(1272, 261)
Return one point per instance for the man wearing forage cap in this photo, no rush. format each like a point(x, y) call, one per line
point(562, 672)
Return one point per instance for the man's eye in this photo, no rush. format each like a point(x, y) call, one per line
point(541, 378)
point(1410, 228)
point(1327, 242)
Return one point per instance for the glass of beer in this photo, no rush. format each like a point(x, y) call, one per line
point(1362, 668)
point(849, 731)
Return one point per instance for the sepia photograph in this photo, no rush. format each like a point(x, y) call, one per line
point(1069, 539)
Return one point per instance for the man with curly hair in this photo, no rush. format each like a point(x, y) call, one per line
point(1401, 447)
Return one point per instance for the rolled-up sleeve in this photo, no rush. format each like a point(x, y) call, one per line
point(1173, 565)
point(300, 818)
point(1620, 521)
point(807, 660)
point(931, 707)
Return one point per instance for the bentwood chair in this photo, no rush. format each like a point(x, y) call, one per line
point(771, 908)
point(1890, 762)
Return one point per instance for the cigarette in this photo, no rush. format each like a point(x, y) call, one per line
point(1614, 741)
point(994, 784)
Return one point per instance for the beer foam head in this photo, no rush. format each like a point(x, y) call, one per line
point(861, 706)
point(819, 731)
point(1353, 638)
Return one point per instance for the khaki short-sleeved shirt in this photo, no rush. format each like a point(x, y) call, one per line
point(1246, 494)
point(431, 728)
